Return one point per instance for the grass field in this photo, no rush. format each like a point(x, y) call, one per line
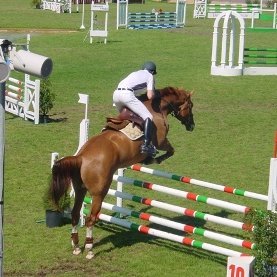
point(232, 143)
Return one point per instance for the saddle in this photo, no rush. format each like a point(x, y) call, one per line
point(126, 122)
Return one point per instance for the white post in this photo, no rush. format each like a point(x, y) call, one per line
point(36, 100)
point(84, 125)
point(232, 42)
point(118, 13)
point(83, 16)
point(122, 13)
point(224, 39)
point(119, 201)
point(214, 49)
point(274, 16)
point(54, 158)
point(272, 187)
point(181, 12)
point(252, 18)
point(241, 45)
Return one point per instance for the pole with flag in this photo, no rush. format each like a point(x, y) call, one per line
point(83, 99)
point(84, 125)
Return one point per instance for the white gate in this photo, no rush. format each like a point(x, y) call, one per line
point(22, 98)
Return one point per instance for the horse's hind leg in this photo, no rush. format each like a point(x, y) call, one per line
point(90, 221)
point(80, 193)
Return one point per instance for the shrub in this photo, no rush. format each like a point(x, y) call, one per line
point(47, 98)
point(264, 236)
point(36, 3)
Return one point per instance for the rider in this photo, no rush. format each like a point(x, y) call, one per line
point(135, 84)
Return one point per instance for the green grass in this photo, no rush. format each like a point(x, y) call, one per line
point(232, 143)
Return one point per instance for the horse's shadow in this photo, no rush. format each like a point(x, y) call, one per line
point(121, 237)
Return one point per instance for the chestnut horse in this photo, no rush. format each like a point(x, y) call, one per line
point(92, 169)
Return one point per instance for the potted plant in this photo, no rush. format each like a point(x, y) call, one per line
point(46, 99)
point(56, 216)
point(265, 237)
point(36, 3)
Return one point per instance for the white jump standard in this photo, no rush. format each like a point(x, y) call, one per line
point(202, 9)
point(95, 31)
point(227, 65)
point(58, 6)
point(150, 20)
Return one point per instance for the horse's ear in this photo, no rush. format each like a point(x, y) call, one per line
point(191, 93)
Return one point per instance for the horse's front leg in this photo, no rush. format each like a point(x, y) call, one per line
point(165, 146)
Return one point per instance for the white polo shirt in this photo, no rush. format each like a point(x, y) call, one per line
point(139, 81)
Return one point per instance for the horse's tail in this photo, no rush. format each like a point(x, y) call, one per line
point(63, 171)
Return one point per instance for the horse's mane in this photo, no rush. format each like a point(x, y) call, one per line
point(166, 91)
point(172, 91)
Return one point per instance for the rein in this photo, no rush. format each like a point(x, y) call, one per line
point(174, 111)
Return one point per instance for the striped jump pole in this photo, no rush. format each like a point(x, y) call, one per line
point(192, 181)
point(181, 210)
point(260, 56)
point(165, 235)
point(183, 194)
point(177, 226)
point(15, 81)
point(246, 10)
point(14, 91)
point(17, 89)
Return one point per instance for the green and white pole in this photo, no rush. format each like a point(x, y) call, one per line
point(172, 237)
point(188, 180)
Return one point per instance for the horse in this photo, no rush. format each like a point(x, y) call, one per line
point(91, 170)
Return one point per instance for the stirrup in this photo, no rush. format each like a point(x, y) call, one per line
point(149, 149)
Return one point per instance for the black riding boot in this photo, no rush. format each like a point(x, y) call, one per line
point(147, 147)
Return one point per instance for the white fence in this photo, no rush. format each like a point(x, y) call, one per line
point(22, 98)
point(58, 6)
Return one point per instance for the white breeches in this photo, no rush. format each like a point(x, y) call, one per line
point(126, 98)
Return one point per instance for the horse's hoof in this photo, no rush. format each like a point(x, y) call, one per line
point(89, 255)
point(77, 251)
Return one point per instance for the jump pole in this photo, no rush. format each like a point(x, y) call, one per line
point(183, 194)
point(176, 225)
point(182, 210)
point(192, 181)
point(165, 235)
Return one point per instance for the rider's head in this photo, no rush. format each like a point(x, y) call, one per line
point(150, 67)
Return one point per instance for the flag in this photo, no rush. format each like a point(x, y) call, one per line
point(83, 98)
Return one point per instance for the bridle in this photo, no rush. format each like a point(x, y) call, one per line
point(175, 111)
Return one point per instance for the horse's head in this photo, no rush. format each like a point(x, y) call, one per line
point(178, 103)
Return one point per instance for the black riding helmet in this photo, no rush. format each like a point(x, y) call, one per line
point(150, 67)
